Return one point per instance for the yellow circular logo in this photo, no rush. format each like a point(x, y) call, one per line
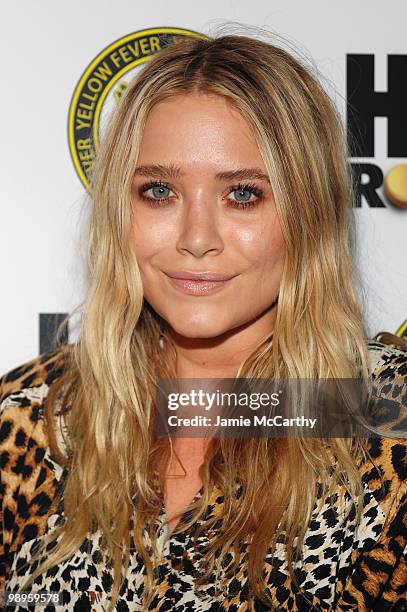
point(101, 86)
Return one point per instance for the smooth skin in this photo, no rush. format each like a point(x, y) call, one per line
point(196, 221)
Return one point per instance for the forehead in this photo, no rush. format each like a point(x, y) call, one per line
point(198, 129)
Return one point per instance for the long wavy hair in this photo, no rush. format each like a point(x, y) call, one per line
point(116, 464)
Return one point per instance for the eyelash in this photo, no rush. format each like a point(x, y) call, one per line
point(157, 202)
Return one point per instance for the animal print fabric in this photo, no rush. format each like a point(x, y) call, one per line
point(343, 567)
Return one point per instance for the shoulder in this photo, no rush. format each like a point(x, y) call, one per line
point(388, 371)
point(378, 571)
point(387, 360)
point(386, 471)
point(31, 478)
point(41, 370)
point(388, 364)
point(23, 391)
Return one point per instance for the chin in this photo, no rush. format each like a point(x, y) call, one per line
point(202, 328)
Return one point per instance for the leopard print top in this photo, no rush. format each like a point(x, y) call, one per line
point(343, 568)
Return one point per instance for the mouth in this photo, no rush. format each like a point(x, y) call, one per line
point(198, 283)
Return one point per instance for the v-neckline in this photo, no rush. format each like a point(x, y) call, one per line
point(164, 516)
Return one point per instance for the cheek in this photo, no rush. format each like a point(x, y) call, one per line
point(274, 244)
point(261, 246)
point(148, 237)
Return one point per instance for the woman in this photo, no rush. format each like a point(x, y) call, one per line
point(219, 248)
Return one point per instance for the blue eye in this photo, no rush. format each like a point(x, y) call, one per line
point(244, 196)
point(160, 191)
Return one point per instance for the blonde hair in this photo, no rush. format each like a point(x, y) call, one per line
point(116, 463)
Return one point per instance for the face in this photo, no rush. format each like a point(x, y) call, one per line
point(205, 228)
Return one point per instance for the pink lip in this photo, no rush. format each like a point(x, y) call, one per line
point(198, 283)
point(209, 276)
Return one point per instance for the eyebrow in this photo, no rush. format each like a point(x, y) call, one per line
point(174, 172)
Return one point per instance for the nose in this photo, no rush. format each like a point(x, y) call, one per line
point(199, 231)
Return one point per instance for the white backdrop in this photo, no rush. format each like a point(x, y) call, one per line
point(45, 48)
